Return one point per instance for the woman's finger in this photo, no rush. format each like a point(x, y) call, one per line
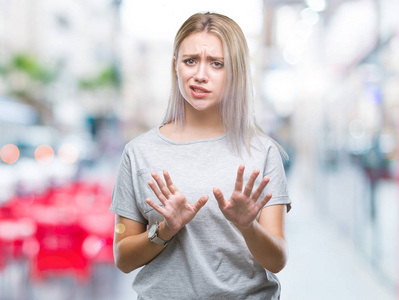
point(172, 188)
point(155, 206)
point(200, 203)
point(219, 197)
point(260, 188)
point(165, 191)
point(263, 202)
point(157, 192)
point(250, 184)
point(240, 178)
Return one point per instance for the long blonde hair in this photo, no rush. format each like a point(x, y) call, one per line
point(236, 105)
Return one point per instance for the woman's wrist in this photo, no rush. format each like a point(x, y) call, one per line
point(164, 233)
point(248, 229)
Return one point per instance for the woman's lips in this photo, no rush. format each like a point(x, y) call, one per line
point(198, 91)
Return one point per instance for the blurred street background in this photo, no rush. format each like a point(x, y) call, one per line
point(80, 78)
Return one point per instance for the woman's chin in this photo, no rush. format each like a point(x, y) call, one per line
point(202, 105)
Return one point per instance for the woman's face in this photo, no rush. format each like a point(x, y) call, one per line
point(200, 70)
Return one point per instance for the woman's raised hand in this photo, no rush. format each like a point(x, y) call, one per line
point(176, 211)
point(242, 207)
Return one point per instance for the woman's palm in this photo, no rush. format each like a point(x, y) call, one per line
point(176, 211)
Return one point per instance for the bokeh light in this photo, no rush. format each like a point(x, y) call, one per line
point(44, 154)
point(92, 245)
point(9, 153)
point(68, 153)
point(357, 128)
point(317, 5)
point(310, 16)
point(120, 228)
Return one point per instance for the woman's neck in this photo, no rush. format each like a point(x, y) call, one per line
point(197, 125)
point(203, 123)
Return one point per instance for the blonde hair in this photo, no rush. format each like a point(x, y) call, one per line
point(236, 105)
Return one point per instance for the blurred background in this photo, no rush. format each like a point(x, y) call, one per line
point(79, 79)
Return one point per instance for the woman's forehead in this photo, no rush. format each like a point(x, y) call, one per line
point(200, 43)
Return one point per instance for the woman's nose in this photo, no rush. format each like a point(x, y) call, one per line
point(201, 75)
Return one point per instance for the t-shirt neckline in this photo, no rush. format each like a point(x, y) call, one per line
point(187, 142)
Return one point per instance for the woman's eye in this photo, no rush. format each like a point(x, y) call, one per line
point(218, 64)
point(189, 61)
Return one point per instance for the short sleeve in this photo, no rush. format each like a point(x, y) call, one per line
point(274, 169)
point(123, 196)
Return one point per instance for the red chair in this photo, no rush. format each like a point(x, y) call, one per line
point(60, 252)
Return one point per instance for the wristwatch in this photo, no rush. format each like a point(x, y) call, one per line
point(153, 235)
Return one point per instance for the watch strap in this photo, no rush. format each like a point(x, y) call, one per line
point(157, 240)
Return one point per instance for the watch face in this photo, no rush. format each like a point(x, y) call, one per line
point(153, 229)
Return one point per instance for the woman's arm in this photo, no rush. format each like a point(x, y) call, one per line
point(265, 238)
point(132, 247)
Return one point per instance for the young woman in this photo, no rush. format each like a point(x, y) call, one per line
point(200, 201)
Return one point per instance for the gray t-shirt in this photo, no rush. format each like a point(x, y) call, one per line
point(208, 258)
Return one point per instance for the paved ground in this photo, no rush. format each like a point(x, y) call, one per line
point(324, 263)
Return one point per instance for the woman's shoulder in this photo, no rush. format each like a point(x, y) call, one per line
point(263, 140)
point(143, 139)
point(269, 146)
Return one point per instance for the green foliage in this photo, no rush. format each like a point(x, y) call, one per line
point(29, 65)
point(107, 78)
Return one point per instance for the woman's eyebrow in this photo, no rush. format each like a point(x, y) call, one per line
point(197, 56)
